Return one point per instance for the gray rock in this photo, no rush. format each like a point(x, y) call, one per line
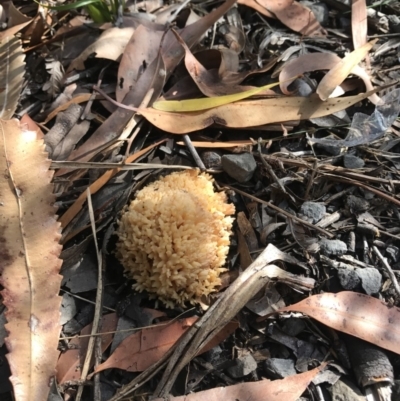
point(393, 252)
point(348, 279)
point(371, 279)
point(332, 247)
point(244, 365)
point(313, 211)
point(332, 150)
point(344, 390)
point(351, 161)
point(279, 368)
point(240, 167)
point(211, 159)
point(394, 23)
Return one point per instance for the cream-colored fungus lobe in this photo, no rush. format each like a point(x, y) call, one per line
point(174, 237)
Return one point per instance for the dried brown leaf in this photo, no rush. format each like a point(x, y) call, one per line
point(29, 261)
point(251, 113)
point(291, 13)
point(145, 347)
point(71, 361)
point(356, 314)
point(11, 75)
point(359, 23)
point(139, 53)
point(152, 78)
point(110, 45)
point(209, 82)
point(319, 61)
point(341, 70)
point(289, 389)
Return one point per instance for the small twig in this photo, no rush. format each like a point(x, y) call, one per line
point(194, 153)
point(269, 168)
point(71, 165)
point(99, 299)
point(284, 212)
point(388, 270)
point(311, 179)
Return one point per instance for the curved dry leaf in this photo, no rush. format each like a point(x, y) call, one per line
point(29, 249)
point(356, 314)
point(251, 113)
point(289, 389)
point(341, 70)
point(319, 61)
point(11, 75)
point(209, 83)
point(110, 45)
point(291, 13)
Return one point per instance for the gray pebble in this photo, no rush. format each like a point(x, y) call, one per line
point(313, 211)
point(348, 279)
point(371, 279)
point(244, 365)
point(240, 167)
point(351, 161)
point(280, 368)
point(332, 247)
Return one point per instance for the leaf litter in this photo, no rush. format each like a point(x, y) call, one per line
point(291, 107)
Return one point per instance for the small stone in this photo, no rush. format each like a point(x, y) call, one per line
point(356, 205)
point(393, 252)
point(332, 247)
point(332, 150)
point(353, 162)
point(279, 368)
point(244, 365)
point(394, 23)
point(344, 390)
point(240, 167)
point(371, 279)
point(348, 279)
point(313, 211)
point(211, 159)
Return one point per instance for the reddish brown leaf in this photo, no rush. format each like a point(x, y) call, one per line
point(289, 12)
point(288, 389)
point(71, 361)
point(29, 263)
point(145, 347)
point(357, 314)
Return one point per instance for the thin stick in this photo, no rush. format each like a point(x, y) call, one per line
point(98, 306)
point(284, 212)
point(388, 270)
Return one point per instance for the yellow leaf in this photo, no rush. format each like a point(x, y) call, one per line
point(181, 106)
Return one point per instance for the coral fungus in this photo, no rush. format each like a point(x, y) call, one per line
point(174, 237)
